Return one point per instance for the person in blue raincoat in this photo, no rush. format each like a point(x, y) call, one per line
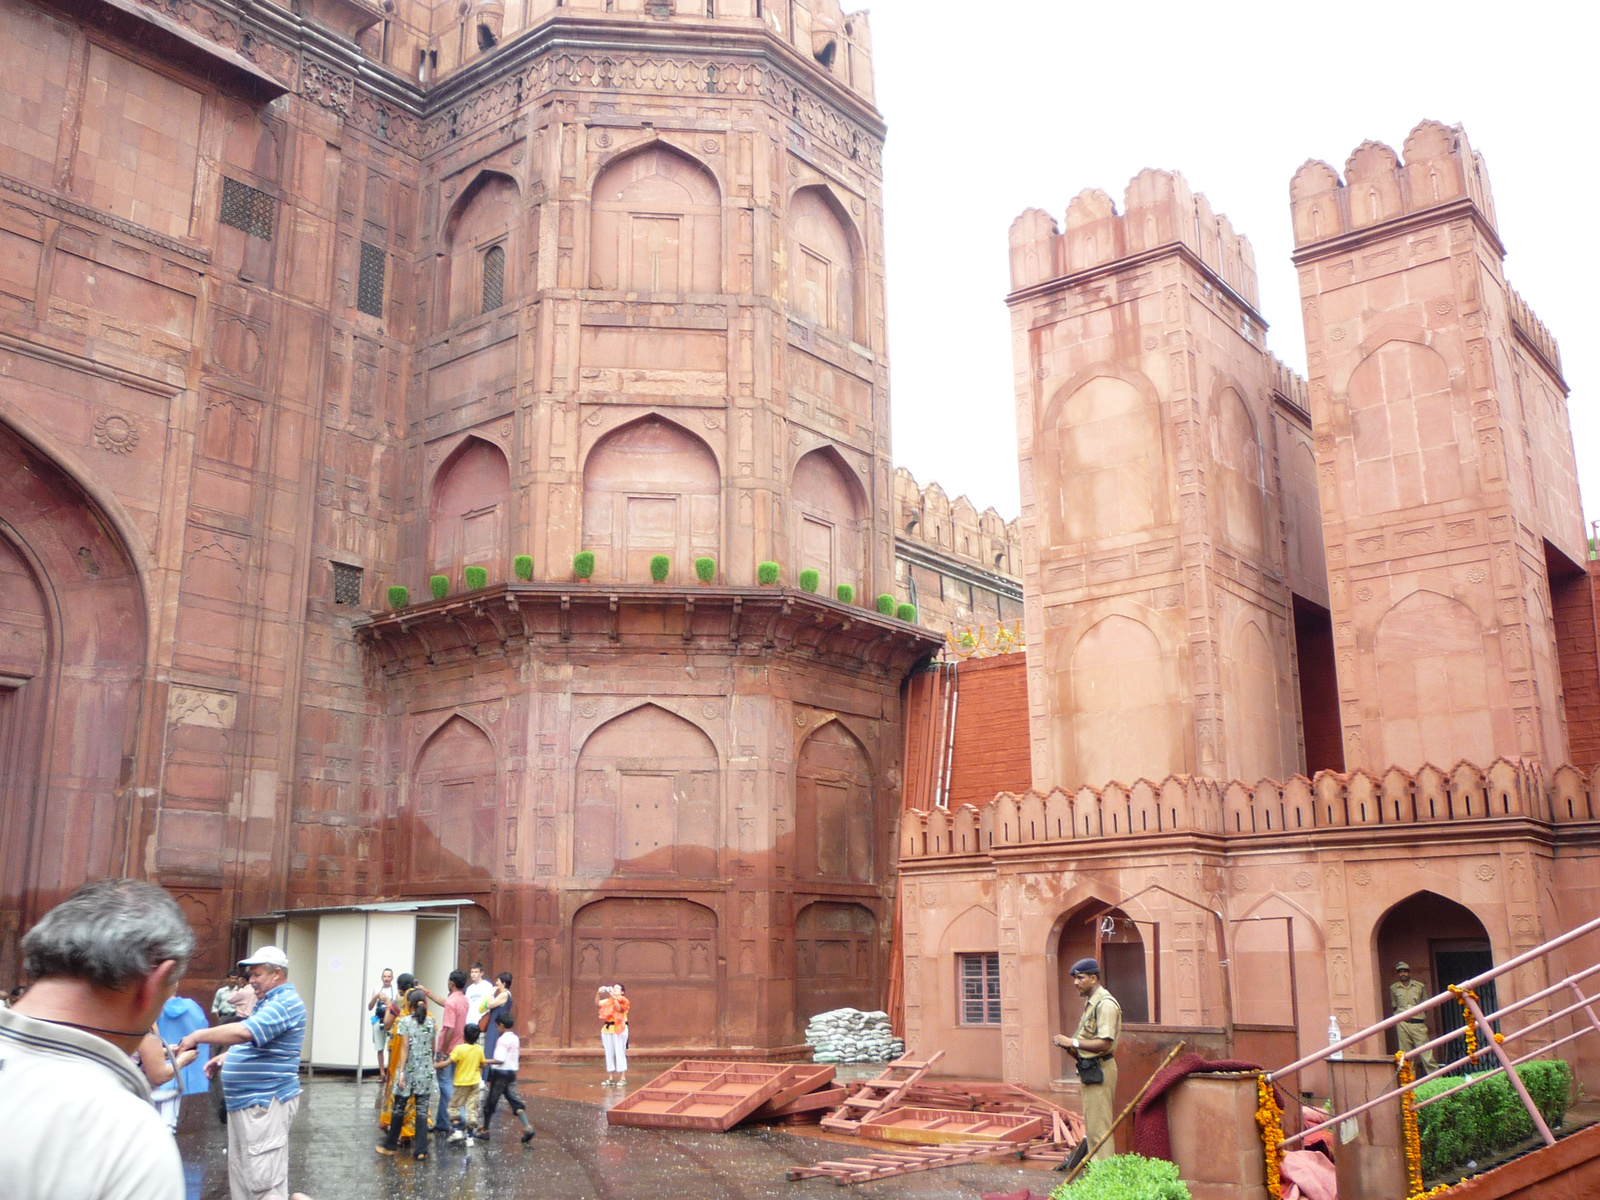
point(181, 1016)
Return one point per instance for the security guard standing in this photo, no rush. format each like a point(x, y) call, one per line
point(1407, 993)
point(1094, 1046)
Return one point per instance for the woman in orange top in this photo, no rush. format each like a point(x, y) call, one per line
point(613, 1007)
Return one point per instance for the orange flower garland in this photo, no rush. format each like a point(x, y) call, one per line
point(1467, 1024)
point(1270, 1117)
point(1413, 1136)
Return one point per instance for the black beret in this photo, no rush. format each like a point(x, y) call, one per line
point(1086, 966)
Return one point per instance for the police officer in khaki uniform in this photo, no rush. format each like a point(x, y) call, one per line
point(1093, 1046)
point(1407, 993)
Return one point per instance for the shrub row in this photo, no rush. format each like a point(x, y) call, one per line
point(1125, 1177)
point(1479, 1121)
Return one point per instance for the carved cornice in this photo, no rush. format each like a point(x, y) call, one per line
point(62, 204)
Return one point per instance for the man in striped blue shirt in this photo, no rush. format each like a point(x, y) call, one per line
point(260, 1078)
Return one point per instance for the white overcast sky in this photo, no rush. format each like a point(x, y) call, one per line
point(994, 107)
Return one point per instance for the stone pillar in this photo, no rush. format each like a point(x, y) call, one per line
point(1369, 1150)
point(1216, 1143)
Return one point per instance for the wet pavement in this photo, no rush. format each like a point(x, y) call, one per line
point(576, 1156)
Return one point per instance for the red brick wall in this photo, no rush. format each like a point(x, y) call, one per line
point(991, 747)
point(1576, 601)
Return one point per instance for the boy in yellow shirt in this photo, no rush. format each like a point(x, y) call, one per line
point(463, 1112)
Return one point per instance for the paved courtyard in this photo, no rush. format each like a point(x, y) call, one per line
point(576, 1156)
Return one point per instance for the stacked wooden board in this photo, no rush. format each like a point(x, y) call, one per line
point(716, 1096)
point(933, 1126)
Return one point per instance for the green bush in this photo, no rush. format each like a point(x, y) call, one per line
point(399, 596)
point(767, 573)
point(660, 567)
point(1479, 1121)
point(886, 604)
point(583, 564)
point(522, 564)
point(705, 569)
point(810, 580)
point(907, 612)
point(1125, 1177)
point(846, 593)
point(439, 585)
point(474, 577)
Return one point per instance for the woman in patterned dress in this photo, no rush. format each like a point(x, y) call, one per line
point(391, 1062)
point(414, 1077)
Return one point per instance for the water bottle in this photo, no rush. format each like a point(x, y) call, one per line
point(1334, 1036)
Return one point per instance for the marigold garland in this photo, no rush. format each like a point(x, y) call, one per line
point(1467, 1028)
point(1413, 1136)
point(1270, 1117)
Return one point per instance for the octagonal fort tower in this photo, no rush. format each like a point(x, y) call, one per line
point(309, 306)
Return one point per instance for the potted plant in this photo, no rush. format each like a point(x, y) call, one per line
point(660, 567)
point(846, 593)
point(583, 564)
point(705, 570)
point(439, 585)
point(399, 596)
point(886, 604)
point(474, 577)
point(810, 580)
point(767, 573)
point(907, 612)
point(523, 566)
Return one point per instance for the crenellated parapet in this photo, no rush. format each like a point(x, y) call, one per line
point(1532, 330)
point(1159, 210)
point(1331, 802)
point(1439, 167)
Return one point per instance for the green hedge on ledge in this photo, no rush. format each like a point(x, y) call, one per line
point(1125, 1177)
point(1480, 1121)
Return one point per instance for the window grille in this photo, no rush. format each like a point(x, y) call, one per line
point(369, 289)
point(346, 584)
point(494, 278)
point(248, 209)
point(980, 989)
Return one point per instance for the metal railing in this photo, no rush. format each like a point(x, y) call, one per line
point(1490, 1043)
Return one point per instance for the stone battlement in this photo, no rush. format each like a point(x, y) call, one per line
point(1158, 210)
point(1533, 331)
point(1290, 386)
point(1333, 800)
point(1439, 167)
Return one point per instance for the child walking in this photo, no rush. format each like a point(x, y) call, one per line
point(503, 1076)
point(463, 1109)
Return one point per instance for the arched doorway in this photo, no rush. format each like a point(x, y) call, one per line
point(833, 807)
point(836, 961)
point(1444, 942)
point(664, 952)
point(1122, 959)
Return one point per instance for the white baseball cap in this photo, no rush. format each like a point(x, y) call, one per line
point(269, 956)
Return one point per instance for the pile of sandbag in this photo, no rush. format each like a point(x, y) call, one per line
point(848, 1035)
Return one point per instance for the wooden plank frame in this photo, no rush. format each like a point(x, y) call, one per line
point(709, 1096)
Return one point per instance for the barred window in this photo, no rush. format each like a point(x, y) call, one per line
point(369, 288)
point(346, 584)
point(980, 988)
point(494, 278)
point(248, 209)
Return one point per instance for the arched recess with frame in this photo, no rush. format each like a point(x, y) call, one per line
point(648, 799)
point(1403, 424)
point(73, 624)
point(1238, 493)
point(650, 487)
point(664, 951)
point(826, 271)
point(1262, 980)
point(836, 960)
point(830, 520)
point(471, 511)
point(1433, 663)
point(480, 263)
point(1443, 941)
point(655, 224)
point(448, 832)
point(834, 811)
point(1118, 712)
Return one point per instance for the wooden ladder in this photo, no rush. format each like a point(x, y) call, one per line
point(869, 1167)
point(879, 1094)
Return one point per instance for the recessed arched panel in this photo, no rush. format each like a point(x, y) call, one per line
point(649, 799)
point(471, 511)
point(650, 487)
point(1103, 460)
point(656, 225)
point(1237, 491)
point(1442, 941)
point(1403, 430)
point(836, 960)
point(1123, 712)
point(824, 263)
point(478, 233)
point(664, 953)
point(1251, 708)
point(829, 520)
point(1308, 559)
point(1434, 665)
point(454, 801)
point(834, 807)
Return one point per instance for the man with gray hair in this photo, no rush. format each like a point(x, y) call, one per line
point(76, 1112)
point(260, 1067)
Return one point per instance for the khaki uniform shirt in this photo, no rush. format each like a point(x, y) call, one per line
point(1407, 995)
point(1102, 1018)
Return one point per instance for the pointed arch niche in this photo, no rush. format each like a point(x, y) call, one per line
point(1119, 715)
point(1102, 443)
point(471, 511)
point(830, 522)
point(1443, 942)
point(454, 800)
point(825, 264)
point(650, 487)
point(655, 225)
point(833, 807)
point(649, 800)
point(480, 265)
point(1434, 665)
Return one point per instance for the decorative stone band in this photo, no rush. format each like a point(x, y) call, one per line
point(1504, 790)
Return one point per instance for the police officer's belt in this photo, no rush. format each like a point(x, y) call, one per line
point(1414, 1021)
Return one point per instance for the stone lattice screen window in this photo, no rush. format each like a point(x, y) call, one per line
point(369, 287)
point(248, 209)
point(346, 584)
point(979, 978)
point(494, 278)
